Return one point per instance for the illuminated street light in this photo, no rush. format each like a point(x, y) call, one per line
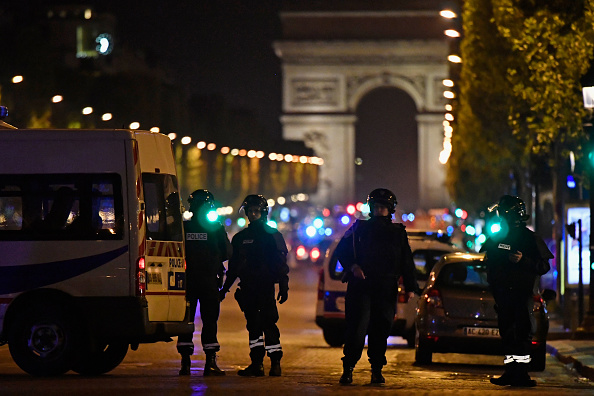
point(454, 59)
point(449, 95)
point(186, 140)
point(87, 110)
point(134, 125)
point(211, 146)
point(448, 107)
point(448, 14)
point(448, 83)
point(17, 79)
point(155, 129)
point(57, 98)
point(201, 145)
point(106, 117)
point(453, 33)
point(449, 117)
point(172, 135)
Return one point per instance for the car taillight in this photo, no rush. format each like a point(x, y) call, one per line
point(140, 277)
point(314, 254)
point(301, 252)
point(321, 284)
point(433, 297)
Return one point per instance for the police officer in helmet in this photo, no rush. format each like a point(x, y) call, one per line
point(259, 260)
point(207, 247)
point(374, 253)
point(515, 258)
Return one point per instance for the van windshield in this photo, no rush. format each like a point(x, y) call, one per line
point(163, 207)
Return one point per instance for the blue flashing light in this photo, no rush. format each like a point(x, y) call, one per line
point(411, 217)
point(241, 222)
point(570, 181)
point(345, 219)
point(311, 231)
point(212, 216)
point(285, 214)
point(450, 230)
point(318, 223)
point(228, 222)
point(328, 231)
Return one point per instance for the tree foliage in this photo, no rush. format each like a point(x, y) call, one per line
point(519, 92)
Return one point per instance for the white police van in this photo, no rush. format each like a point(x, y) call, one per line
point(91, 247)
point(427, 247)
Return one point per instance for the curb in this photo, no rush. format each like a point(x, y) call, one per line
point(584, 371)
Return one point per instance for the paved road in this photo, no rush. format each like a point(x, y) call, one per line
point(309, 366)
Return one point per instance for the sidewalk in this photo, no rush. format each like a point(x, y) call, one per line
point(574, 350)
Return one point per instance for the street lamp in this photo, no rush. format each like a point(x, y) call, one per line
point(588, 93)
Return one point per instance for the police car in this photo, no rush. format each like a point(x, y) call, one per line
point(427, 247)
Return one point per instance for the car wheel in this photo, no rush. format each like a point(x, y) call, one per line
point(539, 358)
point(102, 360)
point(334, 336)
point(423, 352)
point(44, 340)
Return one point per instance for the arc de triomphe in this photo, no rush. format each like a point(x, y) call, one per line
point(323, 81)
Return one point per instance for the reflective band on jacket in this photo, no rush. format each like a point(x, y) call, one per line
point(274, 348)
point(257, 343)
point(517, 359)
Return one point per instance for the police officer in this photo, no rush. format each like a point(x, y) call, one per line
point(515, 258)
point(374, 254)
point(207, 247)
point(259, 260)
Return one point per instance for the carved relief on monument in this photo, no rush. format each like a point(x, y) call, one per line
point(315, 92)
point(318, 141)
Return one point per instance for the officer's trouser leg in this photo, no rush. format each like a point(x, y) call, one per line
point(272, 343)
point(209, 312)
point(357, 311)
point(185, 344)
point(380, 324)
point(256, 340)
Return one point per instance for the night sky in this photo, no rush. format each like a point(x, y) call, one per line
point(213, 47)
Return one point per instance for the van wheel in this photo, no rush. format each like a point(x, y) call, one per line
point(423, 353)
point(104, 359)
point(44, 341)
point(334, 336)
point(539, 358)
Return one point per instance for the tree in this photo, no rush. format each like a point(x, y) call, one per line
point(519, 92)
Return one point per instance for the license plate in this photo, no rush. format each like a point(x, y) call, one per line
point(481, 332)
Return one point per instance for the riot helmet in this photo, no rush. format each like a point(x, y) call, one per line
point(382, 196)
point(512, 209)
point(200, 198)
point(255, 200)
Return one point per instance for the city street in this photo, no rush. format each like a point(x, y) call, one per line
point(309, 365)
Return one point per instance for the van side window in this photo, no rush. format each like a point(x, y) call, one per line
point(61, 207)
point(163, 207)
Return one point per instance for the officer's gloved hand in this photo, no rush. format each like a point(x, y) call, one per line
point(283, 293)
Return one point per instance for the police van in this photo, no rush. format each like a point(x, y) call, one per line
point(91, 247)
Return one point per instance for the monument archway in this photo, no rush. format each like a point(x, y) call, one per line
point(325, 79)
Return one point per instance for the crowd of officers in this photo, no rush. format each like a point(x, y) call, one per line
point(375, 254)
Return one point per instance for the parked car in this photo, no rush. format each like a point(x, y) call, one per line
point(427, 248)
point(457, 313)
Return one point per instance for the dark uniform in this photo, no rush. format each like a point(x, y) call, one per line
point(381, 250)
point(512, 282)
point(259, 260)
point(207, 247)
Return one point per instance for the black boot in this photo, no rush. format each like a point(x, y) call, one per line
point(521, 377)
point(210, 365)
point(185, 365)
point(275, 368)
point(347, 374)
point(376, 376)
point(253, 370)
point(507, 377)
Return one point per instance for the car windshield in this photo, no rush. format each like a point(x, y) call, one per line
point(463, 275)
